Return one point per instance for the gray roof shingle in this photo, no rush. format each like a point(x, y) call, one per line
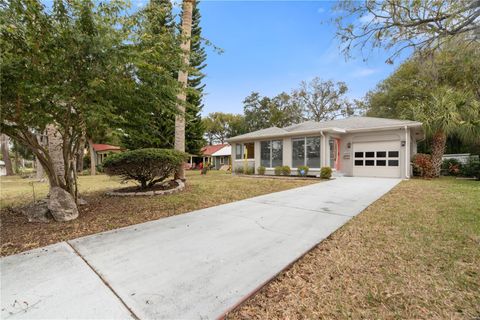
point(351, 123)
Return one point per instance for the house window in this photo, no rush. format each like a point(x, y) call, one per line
point(271, 153)
point(238, 151)
point(222, 160)
point(306, 151)
point(298, 152)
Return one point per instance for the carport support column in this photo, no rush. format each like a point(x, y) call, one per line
point(323, 150)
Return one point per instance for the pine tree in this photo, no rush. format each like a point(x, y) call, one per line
point(194, 127)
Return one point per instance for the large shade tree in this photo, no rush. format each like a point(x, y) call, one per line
point(396, 25)
point(219, 126)
point(323, 99)
point(54, 82)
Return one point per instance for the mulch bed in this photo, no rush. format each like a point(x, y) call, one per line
point(158, 187)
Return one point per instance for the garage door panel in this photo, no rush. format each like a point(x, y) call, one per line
point(376, 159)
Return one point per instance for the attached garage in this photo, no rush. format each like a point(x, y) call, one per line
point(377, 159)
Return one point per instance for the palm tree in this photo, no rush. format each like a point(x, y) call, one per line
point(182, 79)
point(448, 112)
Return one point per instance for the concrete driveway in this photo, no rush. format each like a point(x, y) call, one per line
point(197, 265)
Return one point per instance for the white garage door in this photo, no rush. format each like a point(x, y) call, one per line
point(376, 159)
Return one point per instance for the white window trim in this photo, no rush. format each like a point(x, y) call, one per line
point(305, 152)
point(271, 153)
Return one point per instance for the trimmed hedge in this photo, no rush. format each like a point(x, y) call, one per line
point(286, 171)
point(147, 166)
point(302, 170)
point(325, 172)
point(261, 170)
point(278, 170)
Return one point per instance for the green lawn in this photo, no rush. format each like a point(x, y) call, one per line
point(413, 254)
point(105, 213)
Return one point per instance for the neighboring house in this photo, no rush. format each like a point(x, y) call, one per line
point(102, 151)
point(215, 154)
point(222, 157)
point(355, 146)
point(3, 170)
point(463, 158)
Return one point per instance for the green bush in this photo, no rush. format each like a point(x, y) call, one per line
point(250, 170)
point(147, 166)
point(325, 172)
point(451, 167)
point(239, 170)
point(261, 170)
point(472, 168)
point(302, 170)
point(278, 170)
point(286, 171)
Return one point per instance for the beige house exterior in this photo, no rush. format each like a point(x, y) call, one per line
point(355, 146)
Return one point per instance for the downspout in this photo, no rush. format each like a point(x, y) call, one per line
point(407, 158)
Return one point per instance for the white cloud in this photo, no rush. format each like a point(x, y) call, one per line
point(363, 72)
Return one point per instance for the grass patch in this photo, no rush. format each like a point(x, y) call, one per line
point(413, 254)
point(105, 213)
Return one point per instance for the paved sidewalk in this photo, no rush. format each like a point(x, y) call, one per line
point(197, 265)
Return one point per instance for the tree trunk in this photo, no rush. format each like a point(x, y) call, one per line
point(40, 174)
point(438, 149)
point(93, 168)
point(6, 154)
point(81, 155)
point(182, 79)
point(55, 149)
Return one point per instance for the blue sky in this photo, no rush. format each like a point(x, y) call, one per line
point(270, 46)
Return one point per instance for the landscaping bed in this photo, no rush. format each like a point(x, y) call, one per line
point(102, 213)
point(279, 177)
point(413, 254)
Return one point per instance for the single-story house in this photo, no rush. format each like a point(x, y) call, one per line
point(222, 157)
point(217, 154)
point(102, 151)
point(355, 146)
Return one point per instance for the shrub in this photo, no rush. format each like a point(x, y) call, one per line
point(278, 170)
point(451, 167)
point(250, 170)
point(286, 171)
point(302, 170)
point(261, 170)
point(423, 164)
point(147, 166)
point(325, 172)
point(239, 170)
point(472, 168)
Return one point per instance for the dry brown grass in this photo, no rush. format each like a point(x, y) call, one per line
point(413, 254)
point(105, 213)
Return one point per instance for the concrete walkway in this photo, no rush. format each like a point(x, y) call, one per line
point(197, 265)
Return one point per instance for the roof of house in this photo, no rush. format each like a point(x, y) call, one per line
point(339, 125)
point(209, 150)
point(104, 147)
point(225, 151)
